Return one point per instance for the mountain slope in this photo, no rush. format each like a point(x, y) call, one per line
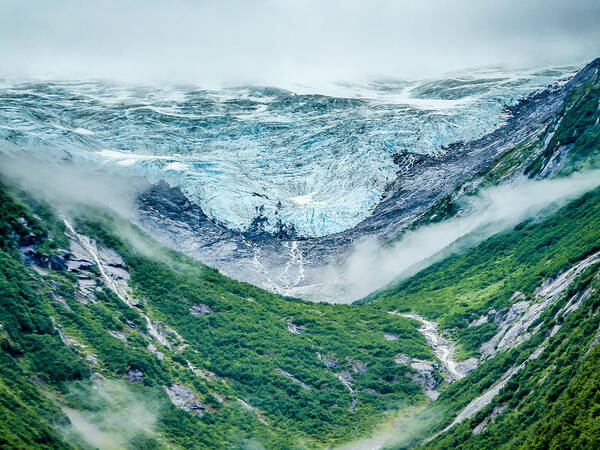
point(108, 339)
point(318, 371)
point(323, 373)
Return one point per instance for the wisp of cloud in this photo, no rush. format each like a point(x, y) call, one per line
point(373, 265)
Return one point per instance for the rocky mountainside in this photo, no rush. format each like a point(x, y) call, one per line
point(284, 263)
point(109, 339)
point(101, 324)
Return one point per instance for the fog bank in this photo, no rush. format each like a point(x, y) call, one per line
point(112, 415)
point(280, 42)
point(372, 265)
point(69, 186)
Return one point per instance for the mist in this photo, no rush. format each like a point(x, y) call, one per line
point(372, 264)
point(276, 42)
point(403, 430)
point(68, 186)
point(110, 415)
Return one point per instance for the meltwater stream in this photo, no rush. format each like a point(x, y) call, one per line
point(314, 159)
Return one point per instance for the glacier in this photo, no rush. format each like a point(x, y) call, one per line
point(315, 159)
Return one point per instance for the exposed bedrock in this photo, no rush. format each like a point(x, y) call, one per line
point(283, 263)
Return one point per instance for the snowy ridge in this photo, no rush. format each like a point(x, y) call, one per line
point(315, 162)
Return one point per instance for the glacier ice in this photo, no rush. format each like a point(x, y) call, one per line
point(317, 159)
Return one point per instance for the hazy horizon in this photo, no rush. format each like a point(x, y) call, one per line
point(282, 43)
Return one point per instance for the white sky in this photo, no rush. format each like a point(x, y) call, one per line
point(281, 42)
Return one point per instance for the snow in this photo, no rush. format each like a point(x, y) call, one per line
point(318, 158)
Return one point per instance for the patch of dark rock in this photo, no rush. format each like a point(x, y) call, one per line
point(184, 398)
point(135, 376)
point(199, 310)
point(57, 262)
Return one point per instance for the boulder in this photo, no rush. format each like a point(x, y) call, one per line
point(184, 398)
point(199, 310)
point(135, 376)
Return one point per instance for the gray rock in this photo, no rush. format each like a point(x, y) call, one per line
point(468, 365)
point(135, 376)
point(489, 419)
point(425, 374)
point(184, 398)
point(357, 366)
point(293, 328)
point(80, 259)
point(199, 310)
point(329, 361)
point(515, 322)
point(152, 349)
point(57, 262)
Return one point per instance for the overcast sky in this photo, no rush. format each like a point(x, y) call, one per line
point(280, 42)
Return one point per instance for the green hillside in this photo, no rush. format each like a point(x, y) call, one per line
point(110, 340)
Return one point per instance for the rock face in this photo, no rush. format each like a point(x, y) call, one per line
point(200, 310)
point(490, 419)
point(293, 328)
point(184, 398)
point(135, 376)
point(425, 376)
point(293, 266)
point(357, 366)
point(52, 261)
point(504, 319)
point(329, 361)
point(515, 323)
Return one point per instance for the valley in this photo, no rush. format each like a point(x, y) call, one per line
point(169, 325)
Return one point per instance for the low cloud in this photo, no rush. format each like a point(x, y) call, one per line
point(373, 265)
point(68, 186)
point(404, 430)
point(110, 415)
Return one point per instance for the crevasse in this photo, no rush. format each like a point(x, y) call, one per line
point(317, 162)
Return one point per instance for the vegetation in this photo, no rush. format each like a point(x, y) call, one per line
point(576, 136)
point(56, 336)
point(284, 373)
point(458, 289)
point(552, 402)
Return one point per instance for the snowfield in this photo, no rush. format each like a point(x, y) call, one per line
point(319, 163)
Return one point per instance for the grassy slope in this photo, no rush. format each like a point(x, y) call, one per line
point(553, 402)
point(246, 338)
point(242, 342)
